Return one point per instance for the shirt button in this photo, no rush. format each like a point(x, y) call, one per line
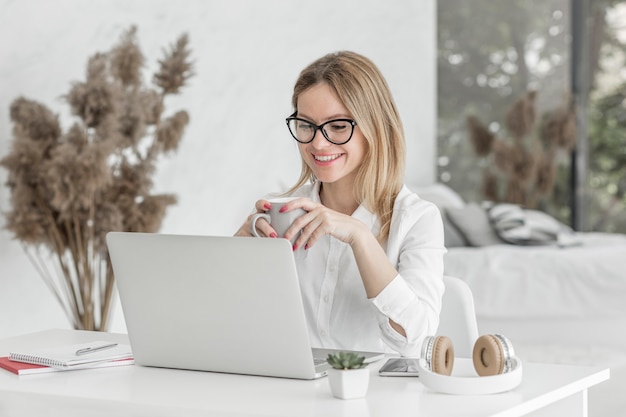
point(323, 333)
point(325, 298)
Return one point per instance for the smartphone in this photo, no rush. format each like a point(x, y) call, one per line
point(399, 367)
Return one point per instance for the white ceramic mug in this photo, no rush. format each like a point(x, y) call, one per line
point(279, 221)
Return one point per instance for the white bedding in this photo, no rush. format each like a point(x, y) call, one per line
point(545, 282)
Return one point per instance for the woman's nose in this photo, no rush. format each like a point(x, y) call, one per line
point(319, 140)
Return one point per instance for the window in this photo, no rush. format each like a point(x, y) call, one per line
point(506, 117)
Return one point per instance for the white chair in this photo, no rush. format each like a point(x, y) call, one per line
point(458, 316)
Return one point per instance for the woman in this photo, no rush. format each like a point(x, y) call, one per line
point(370, 252)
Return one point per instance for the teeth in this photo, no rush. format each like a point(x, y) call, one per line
point(325, 158)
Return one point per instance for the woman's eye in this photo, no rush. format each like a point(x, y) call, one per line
point(338, 127)
point(305, 126)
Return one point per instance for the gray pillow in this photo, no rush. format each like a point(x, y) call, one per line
point(453, 238)
point(444, 197)
point(473, 223)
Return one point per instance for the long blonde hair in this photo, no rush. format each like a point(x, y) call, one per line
point(364, 92)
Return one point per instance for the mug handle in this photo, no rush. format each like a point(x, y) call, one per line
point(254, 220)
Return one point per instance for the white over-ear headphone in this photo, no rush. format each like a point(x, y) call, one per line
point(493, 360)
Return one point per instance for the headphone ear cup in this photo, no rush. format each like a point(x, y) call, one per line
point(488, 356)
point(443, 356)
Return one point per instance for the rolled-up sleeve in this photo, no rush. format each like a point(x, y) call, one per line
point(413, 298)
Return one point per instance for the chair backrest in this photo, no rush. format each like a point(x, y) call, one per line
point(457, 319)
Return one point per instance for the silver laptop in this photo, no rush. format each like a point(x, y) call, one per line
point(221, 304)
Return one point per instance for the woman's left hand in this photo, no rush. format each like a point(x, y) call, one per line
point(319, 221)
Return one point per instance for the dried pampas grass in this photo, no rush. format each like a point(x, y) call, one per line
point(68, 189)
point(523, 164)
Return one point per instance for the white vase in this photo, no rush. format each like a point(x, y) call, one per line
point(348, 383)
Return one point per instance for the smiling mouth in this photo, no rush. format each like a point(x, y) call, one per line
point(326, 158)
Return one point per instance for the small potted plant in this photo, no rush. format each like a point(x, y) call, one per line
point(348, 377)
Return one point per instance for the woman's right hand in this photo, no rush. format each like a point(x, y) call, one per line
point(262, 226)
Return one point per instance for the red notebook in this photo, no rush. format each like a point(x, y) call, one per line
point(22, 368)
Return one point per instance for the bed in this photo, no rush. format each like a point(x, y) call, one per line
point(560, 296)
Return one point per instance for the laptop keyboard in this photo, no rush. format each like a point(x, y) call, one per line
point(318, 361)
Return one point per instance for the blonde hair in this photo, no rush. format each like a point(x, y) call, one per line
point(364, 92)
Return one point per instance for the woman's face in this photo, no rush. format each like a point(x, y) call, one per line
point(329, 162)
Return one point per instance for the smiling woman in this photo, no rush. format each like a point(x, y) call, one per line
point(368, 251)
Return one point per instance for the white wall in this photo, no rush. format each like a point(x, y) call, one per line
point(248, 54)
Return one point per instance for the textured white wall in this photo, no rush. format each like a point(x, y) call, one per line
point(248, 54)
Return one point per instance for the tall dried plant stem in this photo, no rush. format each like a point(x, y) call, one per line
point(88, 256)
point(83, 273)
point(59, 253)
point(37, 260)
point(75, 265)
point(79, 284)
point(105, 304)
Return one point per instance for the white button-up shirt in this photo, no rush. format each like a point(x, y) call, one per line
point(338, 312)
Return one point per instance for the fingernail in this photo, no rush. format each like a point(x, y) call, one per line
point(306, 246)
point(273, 234)
point(282, 209)
point(267, 206)
point(295, 247)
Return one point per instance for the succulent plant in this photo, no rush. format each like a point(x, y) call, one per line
point(346, 360)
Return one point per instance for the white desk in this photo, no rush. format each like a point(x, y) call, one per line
point(555, 390)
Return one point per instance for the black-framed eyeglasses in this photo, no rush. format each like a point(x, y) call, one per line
point(337, 131)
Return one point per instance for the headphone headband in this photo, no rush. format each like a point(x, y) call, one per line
point(465, 382)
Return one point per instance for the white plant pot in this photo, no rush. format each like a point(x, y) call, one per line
point(348, 383)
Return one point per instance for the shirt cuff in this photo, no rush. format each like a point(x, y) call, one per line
point(394, 298)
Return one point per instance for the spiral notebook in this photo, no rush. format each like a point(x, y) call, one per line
point(75, 356)
point(23, 368)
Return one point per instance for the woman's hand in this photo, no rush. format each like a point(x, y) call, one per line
point(262, 225)
point(318, 221)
